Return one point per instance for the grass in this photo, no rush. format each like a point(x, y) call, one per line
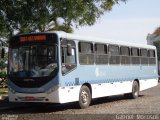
point(3, 91)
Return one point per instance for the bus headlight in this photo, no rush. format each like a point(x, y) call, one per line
point(52, 89)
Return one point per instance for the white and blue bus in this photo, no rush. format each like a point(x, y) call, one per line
point(57, 67)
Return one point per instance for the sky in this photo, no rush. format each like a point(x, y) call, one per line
point(130, 21)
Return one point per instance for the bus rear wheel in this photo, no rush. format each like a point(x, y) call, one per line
point(84, 97)
point(135, 91)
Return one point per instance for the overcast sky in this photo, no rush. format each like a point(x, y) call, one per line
point(130, 21)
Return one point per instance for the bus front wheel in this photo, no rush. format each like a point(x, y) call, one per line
point(84, 97)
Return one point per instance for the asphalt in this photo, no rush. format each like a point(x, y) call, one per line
point(146, 107)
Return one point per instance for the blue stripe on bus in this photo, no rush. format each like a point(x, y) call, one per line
point(108, 80)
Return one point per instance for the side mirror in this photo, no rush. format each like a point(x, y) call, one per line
point(3, 53)
point(69, 50)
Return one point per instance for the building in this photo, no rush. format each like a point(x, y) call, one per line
point(151, 38)
point(154, 39)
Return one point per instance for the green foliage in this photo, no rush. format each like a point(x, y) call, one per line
point(3, 80)
point(3, 60)
point(3, 91)
point(3, 75)
point(2, 65)
point(26, 16)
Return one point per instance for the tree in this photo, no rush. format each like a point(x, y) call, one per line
point(24, 16)
point(157, 31)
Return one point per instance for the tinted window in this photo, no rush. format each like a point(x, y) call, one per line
point(135, 52)
point(101, 54)
point(86, 53)
point(144, 53)
point(125, 58)
point(85, 47)
point(151, 53)
point(135, 56)
point(144, 56)
point(114, 54)
point(114, 50)
point(125, 51)
point(152, 59)
point(68, 60)
point(100, 49)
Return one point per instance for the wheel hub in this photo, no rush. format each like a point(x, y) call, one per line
point(84, 96)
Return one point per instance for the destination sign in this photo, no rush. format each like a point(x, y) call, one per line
point(32, 38)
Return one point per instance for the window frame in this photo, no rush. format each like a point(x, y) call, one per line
point(125, 53)
point(68, 67)
point(110, 52)
point(114, 56)
point(88, 53)
point(149, 55)
point(80, 49)
point(138, 53)
point(101, 56)
point(142, 50)
point(105, 51)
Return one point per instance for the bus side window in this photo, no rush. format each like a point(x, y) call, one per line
point(68, 60)
point(144, 57)
point(152, 59)
point(86, 53)
point(125, 55)
point(101, 54)
point(135, 59)
point(114, 54)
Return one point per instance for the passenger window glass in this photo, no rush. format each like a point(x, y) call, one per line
point(125, 55)
point(144, 53)
point(125, 51)
point(152, 59)
point(86, 53)
point(114, 57)
point(135, 52)
point(68, 61)
point(114, 50)
point(101, 54)
point(151, 53)
point(85, 47)
point(101, 49)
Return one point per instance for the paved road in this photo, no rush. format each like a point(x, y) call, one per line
point(147, 106)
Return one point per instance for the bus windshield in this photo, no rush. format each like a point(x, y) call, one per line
point(33, 61)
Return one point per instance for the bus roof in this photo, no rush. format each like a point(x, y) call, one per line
point(96, 39)
point(102, 40)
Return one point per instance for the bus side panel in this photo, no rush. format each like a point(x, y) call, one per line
point(69, 94)
point(108, 89)
point(106, 80)
point(148, 77)
point(145, 84)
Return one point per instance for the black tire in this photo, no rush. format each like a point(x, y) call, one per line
point(127, 95)
point(84, 97)
point(135, 91)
